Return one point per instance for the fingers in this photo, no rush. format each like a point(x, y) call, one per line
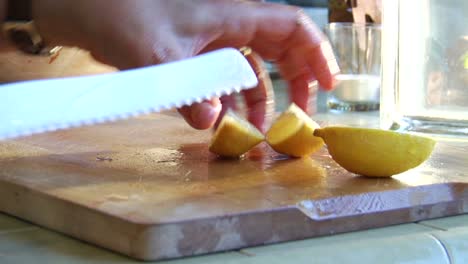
point(299, 91)
point(201, 115)
point(297, 73)
point(276, 32)
point(227, 102)
point(259, 100)
point(285, 35)
point(318, 53)
point(303, 91)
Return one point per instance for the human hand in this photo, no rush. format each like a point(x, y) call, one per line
point(129, 34)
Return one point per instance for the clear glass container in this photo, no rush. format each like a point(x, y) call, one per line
point(425, 66)
point(357, 50)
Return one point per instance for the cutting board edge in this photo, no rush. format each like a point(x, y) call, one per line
point(156, 241)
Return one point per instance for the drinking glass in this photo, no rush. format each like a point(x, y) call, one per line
point(357, 50)
point(425, 66)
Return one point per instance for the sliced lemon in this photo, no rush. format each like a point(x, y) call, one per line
point(234, 136)
point(375, 152)
point(292, 133)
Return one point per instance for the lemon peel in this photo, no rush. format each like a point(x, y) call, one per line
point(375, 152)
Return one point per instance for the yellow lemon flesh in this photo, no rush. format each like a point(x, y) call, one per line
point(234, 136)
point(375, 152)
point(292, 133)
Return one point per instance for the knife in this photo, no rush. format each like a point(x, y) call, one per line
point(32, 107)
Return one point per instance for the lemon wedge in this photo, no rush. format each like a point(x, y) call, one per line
point(234, 136)
point(375, 152)
point(292, 133)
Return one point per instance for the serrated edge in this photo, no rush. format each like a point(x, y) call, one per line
point(121, 117)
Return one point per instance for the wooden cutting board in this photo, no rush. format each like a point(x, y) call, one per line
point(148, 188)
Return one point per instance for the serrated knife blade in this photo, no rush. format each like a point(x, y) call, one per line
point(32, 107)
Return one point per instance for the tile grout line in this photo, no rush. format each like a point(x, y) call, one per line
point(245, 253)
point(432, 226)
point(447, 253)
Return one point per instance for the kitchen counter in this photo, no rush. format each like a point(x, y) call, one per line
point(436, 241)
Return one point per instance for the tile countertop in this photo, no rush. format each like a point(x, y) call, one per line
point(435, 241)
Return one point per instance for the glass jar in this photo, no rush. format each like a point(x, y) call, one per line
point(425, 66)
